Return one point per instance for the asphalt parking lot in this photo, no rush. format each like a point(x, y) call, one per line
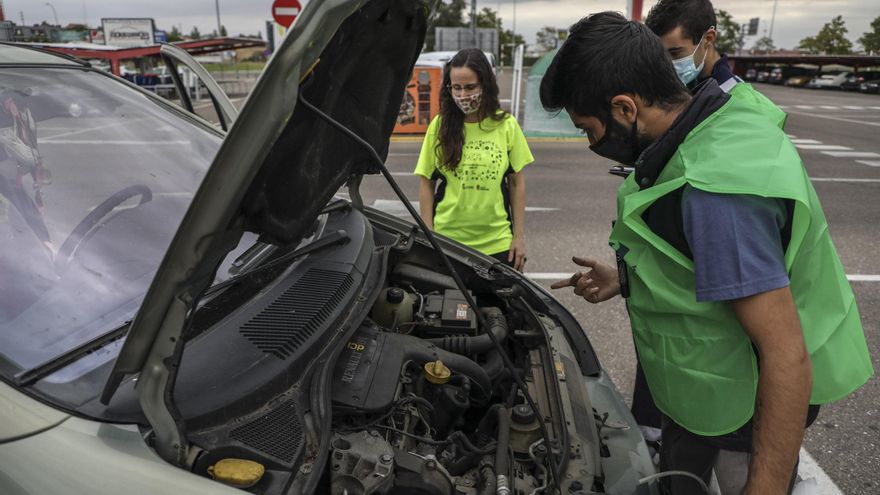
point(571, 204)
point(570, 198)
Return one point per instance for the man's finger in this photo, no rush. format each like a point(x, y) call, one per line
point(587, 262)
point(570, 282)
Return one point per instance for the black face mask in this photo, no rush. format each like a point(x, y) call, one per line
point(614, 145)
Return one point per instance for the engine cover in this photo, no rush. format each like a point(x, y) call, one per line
point(366, 378)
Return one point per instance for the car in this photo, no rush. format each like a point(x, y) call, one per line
point(870, 86)
point(798, 81)
point(779, 75)
point(751, 74)
point(194, 309)
point(854, 81)
point(829, 80)
point(439, 58)
point(763, 76)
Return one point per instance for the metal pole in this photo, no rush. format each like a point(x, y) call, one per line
point(773, 18)
point(474, 23)
point(217, 8)
point(514, 22)
point(53, 13)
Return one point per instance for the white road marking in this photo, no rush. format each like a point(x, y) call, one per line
point(808, 468)
point(870, 163)
point(828, 107)
point(852, 154)
point(790, 136)
point(110, 141)
point(565, 275)
point(840, 119)
point(805, 107)
point(874, 108)
point(853, 107)
point(805, 141)
point(821, 147)
point(837, 179)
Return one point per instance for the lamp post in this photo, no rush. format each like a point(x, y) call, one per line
point(217, 8)
point(773, 19)
point(53, 13)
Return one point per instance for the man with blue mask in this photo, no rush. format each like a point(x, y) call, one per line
point(686, 29)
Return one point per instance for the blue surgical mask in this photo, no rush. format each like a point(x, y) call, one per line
point(685, 67)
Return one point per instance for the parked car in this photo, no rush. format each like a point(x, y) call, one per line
point(830, 80)
point(763, 76)
point(189, 310)
point(870, 86)
point(798, 81)
point(751, 74)
point(854, 81)
point(779, 75)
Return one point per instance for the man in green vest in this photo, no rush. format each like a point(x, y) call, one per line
point(740, 309)
point(687, 29)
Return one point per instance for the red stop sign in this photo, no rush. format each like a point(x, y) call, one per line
point(285, 11)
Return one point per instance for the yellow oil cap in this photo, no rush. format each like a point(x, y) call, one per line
point(240, 473)
point(436, 372)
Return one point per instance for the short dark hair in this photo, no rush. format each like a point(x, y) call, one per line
point(694, 16)
point(606, 55)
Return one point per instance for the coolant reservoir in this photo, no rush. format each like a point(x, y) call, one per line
point(240, 473)
point(524, 428)
point(393, 307)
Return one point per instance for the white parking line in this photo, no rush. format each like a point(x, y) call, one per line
point(805, 141)
point(808, 468)
point(565, 275)
point(828, 107)
point(805, 107)
point(852, 154)
point(870, 163)
point(853, 107)
point(837, 179)
point(821, 147)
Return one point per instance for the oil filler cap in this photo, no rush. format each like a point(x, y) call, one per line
point(522, 414)
point(437, 373)
point(240, 473)
point(395, 295)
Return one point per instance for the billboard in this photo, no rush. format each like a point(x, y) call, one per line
point(454, 39)
point(129, 32)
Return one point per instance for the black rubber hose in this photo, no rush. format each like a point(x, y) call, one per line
point(502, 460)
point(418, 350)
point(467, 345)
point(488, 477)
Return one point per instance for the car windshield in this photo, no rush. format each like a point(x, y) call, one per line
point(95, 178)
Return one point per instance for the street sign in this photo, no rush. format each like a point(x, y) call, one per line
point(753, 26)
point(285, 11)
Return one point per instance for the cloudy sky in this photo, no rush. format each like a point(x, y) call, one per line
point(795, 19)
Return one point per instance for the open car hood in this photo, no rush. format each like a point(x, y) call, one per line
point(277, 168)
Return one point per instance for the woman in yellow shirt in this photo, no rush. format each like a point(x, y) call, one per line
point(476, 152)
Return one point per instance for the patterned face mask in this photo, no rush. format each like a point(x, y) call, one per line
point(468, 104)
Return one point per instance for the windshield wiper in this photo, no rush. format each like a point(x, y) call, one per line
point(28, 377)
point(331, 239)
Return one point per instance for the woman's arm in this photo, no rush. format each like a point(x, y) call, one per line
point(517, 185)
point(426, 201)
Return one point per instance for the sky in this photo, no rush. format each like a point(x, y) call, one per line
point(795, 19)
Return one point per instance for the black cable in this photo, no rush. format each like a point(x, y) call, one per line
point(452, 272)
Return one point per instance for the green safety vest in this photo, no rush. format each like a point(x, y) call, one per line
point(749, 94)
point(698, 361)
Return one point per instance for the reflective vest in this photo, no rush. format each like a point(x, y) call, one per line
point(699, 363)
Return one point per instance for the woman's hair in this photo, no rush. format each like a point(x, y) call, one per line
point(451, 134)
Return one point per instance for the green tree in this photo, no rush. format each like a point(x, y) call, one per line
point(488, 18)
point(870, 41)
point(223, 31)
point(449, 13)
point(831, 39)
point(195, 34)
point(547, 38)
point(764, 44)
point(174, 35)
point(729, 33)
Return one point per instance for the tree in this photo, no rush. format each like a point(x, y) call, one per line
point(547, 38)
point(449, 13)
point(729, 33)
point(764, 44)
point(831, 39)
point(488, 18)
point(870, 41)
point(223, 31)
point(195, 34)
point(174, 35)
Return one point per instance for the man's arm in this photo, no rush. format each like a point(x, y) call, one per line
point(426, 201)
point(784, 384)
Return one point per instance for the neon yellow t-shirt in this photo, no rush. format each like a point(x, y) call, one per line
point(470, 205)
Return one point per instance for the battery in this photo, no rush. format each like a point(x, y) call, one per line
point(448, 313)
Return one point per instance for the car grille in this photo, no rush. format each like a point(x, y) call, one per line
point(291, 319)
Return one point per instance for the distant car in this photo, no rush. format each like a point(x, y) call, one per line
point(439, 59)
point(751, 74)
point(798, 81)
point(779, 75)
point(872, 87)
point(855, 80)
point(831, 80)
point(763, 76)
